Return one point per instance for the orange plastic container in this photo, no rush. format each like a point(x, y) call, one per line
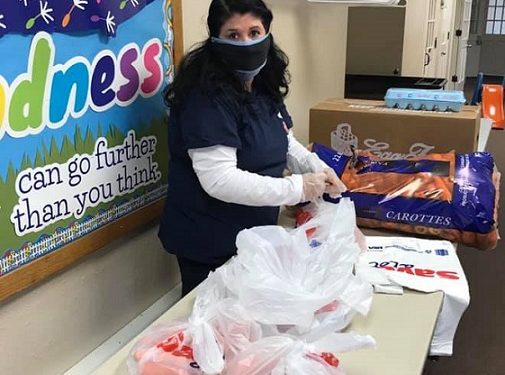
point(492, 105)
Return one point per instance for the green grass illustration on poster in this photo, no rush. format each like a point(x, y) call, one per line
point(83, 128)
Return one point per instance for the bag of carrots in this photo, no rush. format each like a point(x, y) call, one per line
point(450, 196)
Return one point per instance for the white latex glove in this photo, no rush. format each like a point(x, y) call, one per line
point(314, 185)
point(334, 186)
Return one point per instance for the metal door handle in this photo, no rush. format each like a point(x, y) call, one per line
point(427, 59)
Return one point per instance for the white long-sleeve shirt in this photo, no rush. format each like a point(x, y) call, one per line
point(217, 171)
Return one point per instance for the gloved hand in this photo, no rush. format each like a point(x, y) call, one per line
point(334, 186)
point(314, 185)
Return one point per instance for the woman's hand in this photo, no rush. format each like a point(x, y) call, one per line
point(334, 186)
point(314, 185)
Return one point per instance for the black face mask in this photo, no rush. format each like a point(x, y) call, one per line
point(245, 57)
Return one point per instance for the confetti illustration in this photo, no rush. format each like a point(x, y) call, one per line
point(67, 16)
point(79, 4)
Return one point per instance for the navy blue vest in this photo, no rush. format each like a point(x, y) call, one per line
point(195, 225)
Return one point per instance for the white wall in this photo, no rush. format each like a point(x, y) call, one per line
point(314, 37)
point(50, 327)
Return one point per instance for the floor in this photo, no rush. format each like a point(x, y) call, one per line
point(479, 346)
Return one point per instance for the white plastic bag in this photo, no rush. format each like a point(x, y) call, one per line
point(281, 355)
point(281, 280)
point(220, 326)
point(315, 219)
point(189, 347)
point(234, 328)
point(164, 349)
point(424, 265)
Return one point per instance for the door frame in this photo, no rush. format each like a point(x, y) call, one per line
point(457, 81)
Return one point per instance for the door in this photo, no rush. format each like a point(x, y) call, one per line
point(492, 49)
point(444, 38)
point(431, 47)
point(461, 44)
point(477, 24)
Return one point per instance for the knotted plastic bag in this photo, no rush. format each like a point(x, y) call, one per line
point(217, 328)
point(188, 347)
point(165, 349)
point(281, 355)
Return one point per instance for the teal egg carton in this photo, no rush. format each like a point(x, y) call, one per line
point(425, 100)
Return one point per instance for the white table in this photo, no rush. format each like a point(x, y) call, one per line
point(402, 326)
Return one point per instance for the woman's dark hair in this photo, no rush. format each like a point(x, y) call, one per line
point(201, 69)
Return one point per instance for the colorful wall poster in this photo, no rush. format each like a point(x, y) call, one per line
point(82, 118)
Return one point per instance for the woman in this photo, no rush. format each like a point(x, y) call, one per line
point(230, 141)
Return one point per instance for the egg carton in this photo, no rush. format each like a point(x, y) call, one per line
point(425, 100)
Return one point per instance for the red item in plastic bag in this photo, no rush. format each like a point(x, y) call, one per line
point(328, 358)
point(174, 345)
point(172, 356)
point(301, 218)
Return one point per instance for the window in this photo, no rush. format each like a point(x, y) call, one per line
point(495, 21)
point(432, 12)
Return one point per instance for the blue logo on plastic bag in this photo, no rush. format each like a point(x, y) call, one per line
point(441, 252)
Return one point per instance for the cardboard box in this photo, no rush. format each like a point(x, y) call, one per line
point(394, 133)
